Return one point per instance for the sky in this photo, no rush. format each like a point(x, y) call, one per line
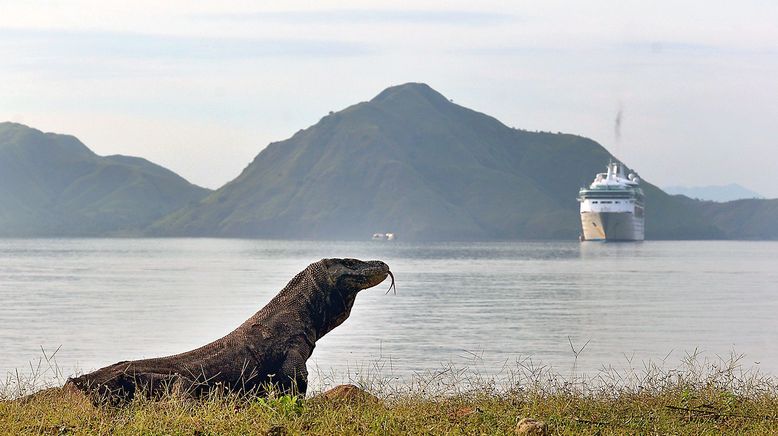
point(201, 88)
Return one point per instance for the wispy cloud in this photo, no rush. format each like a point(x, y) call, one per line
point(686, 48)
point(641, 48)
point(369, 16)
point(61, 43)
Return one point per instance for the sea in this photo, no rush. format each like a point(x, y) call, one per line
point(69, 306)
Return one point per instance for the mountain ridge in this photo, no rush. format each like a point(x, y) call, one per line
point(411, 161)
point(718, 193)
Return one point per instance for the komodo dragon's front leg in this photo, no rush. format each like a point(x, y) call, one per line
point(295, 373)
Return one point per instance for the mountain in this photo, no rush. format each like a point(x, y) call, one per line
point(720, 193)
point(53, 185)
point(412, 162)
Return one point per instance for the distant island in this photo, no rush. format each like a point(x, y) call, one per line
point(408, 161)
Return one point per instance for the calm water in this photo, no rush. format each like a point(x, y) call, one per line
point(478, 305)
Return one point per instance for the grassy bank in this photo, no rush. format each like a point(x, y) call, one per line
point(696, 398)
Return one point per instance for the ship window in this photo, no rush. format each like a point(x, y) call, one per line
point(595, 202)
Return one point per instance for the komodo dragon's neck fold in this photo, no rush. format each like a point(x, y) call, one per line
point(325, 304)
point(311, 302)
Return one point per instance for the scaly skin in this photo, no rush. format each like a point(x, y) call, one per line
point(271, 347)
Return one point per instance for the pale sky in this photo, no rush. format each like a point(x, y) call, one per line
point(202, 89)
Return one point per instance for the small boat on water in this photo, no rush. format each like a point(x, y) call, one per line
point(383, 236)
point(613, 207)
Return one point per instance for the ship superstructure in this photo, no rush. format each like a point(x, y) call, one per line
point(613, 207)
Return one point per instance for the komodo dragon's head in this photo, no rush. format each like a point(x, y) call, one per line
point(346, 277)
point(353, 275)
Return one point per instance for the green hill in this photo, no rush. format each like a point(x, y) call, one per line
point(53, 185)
point(412, 162)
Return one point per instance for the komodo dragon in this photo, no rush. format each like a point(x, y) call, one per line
point(271, 347)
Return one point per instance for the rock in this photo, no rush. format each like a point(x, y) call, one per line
point(347, 394)
point(531, 427)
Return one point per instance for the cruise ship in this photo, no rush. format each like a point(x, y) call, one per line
point(612, 207)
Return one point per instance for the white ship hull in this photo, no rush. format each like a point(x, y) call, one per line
point(612, 207)
point(612, 226)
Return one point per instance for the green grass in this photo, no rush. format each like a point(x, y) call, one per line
point(699, 397)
